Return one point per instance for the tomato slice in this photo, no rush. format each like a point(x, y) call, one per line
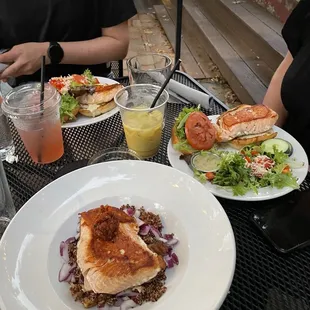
point(57, 83)
point(79, 79)
point(199, 131)
point(210, 176)
point(286, 169)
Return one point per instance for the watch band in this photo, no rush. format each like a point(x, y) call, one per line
point(55, 53)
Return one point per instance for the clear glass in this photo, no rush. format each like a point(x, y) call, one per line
point(7, 209)
point(37, 124)
point(7, 147)
point(149, 69)
point(113, 153)
point(143, 126)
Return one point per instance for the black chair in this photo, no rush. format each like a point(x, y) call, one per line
point(117, 68)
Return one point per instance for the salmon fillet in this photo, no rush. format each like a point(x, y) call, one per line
point(111, 255)
point(244, 120)
point(104, 94)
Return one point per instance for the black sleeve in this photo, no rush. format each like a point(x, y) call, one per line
point(296, 26)
point(114, 12)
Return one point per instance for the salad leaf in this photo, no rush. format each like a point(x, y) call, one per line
point(89, 76)
point(68, 105)
point(183, 147)
point(180, 122)
point(280, 180)
point(234, 174)
point(200, 176)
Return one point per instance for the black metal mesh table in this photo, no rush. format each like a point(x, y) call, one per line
point(263, 278)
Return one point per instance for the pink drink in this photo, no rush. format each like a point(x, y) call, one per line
point(38, 124)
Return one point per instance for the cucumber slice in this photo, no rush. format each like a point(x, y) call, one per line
point(280, 144)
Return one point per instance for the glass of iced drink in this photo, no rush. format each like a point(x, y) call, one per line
point(142, 125)
point(38, 124)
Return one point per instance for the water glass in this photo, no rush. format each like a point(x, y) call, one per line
point(149, 68)
point(7, 209)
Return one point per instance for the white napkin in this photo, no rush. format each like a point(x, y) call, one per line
point(192, 95)
point(5, 88)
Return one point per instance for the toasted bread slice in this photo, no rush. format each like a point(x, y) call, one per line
point(112, 265)
point(241, 142)
point(244, 120)
point(93, 110)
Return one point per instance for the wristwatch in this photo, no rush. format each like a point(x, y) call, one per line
point(55, 53)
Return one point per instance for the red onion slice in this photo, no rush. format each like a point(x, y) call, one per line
point(172, 242)
point(65, 252)
point(139, 222)
point(127, 293)
point(175, 258)
point(169, 261)
point(168, 236)
point(129, 211)
point(65, 272)
point(128, 304)
point(61, 248)
point(144, 230)
point(155, 232)
point(70, 240)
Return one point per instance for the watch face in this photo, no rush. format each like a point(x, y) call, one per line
point(56, 53)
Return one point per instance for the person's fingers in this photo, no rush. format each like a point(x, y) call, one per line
point(11, 71)
point(8, 57)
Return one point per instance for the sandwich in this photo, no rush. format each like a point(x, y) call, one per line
point(192, 132)
point(111, 255)
point(246, 124)
point(85, 95)
point(100, 101)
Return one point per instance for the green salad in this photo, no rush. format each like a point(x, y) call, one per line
point(68, 105)
point(250, 169)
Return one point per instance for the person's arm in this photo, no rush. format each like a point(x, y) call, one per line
point(25, 58)
point(273, 96)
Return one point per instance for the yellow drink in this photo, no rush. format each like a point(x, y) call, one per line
point(143, 131)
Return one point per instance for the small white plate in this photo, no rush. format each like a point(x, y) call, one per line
point(263, 193)
point(82, 120)
point(29, 249)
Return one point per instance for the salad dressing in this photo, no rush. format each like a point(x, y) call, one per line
point(206, 162)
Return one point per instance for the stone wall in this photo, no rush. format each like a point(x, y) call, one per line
point(279, 8)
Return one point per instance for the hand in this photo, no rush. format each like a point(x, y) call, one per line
point(24, 59)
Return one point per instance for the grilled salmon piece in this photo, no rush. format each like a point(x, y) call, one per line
point(103, 94)
point(110, 253)
point(244, 120)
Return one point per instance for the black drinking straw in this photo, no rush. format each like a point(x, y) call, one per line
point(42, 100)
point(166, 83)
point(42, 84)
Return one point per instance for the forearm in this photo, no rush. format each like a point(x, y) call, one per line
point(96, 51)
point(273, 96)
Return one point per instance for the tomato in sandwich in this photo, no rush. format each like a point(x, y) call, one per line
point(193, 131)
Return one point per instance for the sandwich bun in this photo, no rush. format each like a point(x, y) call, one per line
point(241, 142)
point(75, 112)
point(93, 110)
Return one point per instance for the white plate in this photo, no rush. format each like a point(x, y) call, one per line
point(82, 120)
point(263, 193)
point(29, 249)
